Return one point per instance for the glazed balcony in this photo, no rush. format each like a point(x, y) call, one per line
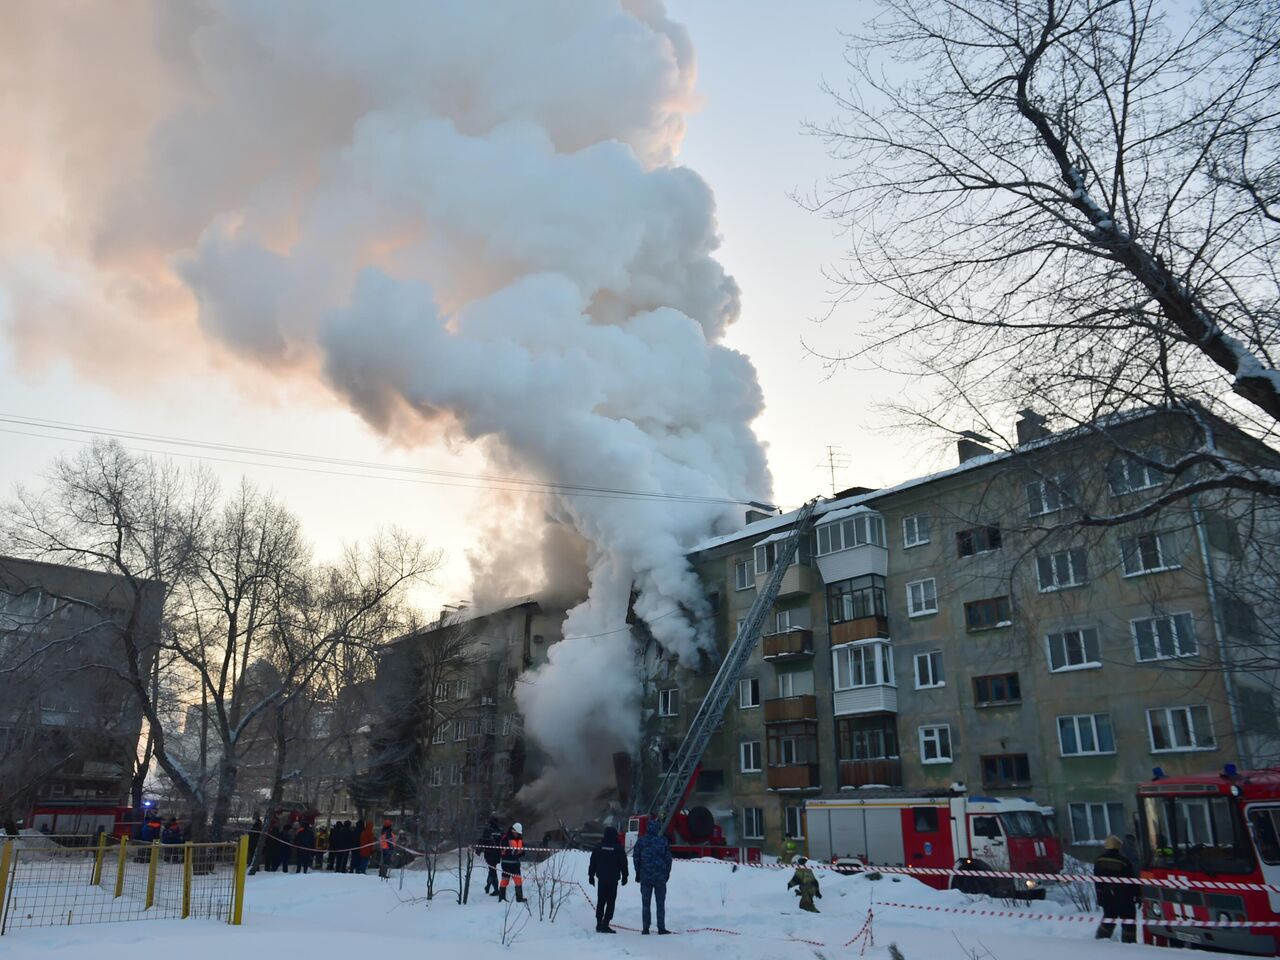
point(796, 776)
point(790, 709)
point(792, 644)
point(863, 628)
point(884, 772)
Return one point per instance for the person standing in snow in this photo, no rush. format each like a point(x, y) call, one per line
point(608, 866)
point(366, 846)
point(322, 844)
point(490, 847)
point(305, 854)
point(1118, 901)
point(652, 859)
point(806, 884)
point(386, 849)
point(512, 854)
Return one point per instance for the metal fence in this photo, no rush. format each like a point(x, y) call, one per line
point(53, 881)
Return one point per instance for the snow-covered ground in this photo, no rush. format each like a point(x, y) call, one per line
point(322, 916)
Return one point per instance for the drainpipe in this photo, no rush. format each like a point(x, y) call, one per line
point(1228, 682)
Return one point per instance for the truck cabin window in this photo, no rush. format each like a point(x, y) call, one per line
point(1265, 822)
point(1204, 834)
point(986, 827)
point(1024, 823)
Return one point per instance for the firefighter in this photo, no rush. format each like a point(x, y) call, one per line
point(386, 849)
point(652, 860)
point(322, 844)
point(1118, 901)
point(788, 852)
point(806, 885)
point(512, 854)
point(490, 848)
point(608, 865)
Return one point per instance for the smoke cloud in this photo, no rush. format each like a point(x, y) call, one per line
point(461, 217)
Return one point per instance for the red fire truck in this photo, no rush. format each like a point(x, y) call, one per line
point(950, 830)
point(693, 833)
point(1218, 828)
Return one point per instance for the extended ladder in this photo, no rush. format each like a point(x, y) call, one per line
point(711, 711)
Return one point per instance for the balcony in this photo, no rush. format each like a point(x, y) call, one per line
point(799, 580)
point(885, 772)
point(880, 698)
point(864, 628)
point(796, 776)
point(788, 645)
point(788, 709)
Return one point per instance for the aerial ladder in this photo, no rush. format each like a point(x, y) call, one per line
point(679, 779)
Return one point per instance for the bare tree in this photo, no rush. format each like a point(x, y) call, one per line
point(1069, 205)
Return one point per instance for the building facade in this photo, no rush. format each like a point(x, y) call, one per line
point(1020, 623)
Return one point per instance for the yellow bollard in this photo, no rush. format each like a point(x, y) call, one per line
point(96, 881)
point(186, 880)
point(152, 865)
point(120, 866)
point(8, 861)
point(242, 866)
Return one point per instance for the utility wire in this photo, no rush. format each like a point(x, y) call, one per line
point(448, 478)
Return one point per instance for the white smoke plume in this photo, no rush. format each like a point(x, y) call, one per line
point(453, 214)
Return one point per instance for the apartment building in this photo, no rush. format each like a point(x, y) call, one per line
point(965, 627)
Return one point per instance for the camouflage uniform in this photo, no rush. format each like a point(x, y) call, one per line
point(808, 887)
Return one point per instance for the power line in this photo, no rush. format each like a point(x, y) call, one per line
point(297, 461)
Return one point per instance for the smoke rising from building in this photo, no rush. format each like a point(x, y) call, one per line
point(463, 217)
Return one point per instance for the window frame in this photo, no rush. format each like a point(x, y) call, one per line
point(753, 818)
point(1161, 538)
point(1000, 623)
point(923, 611)
point(1004, 678)
point(669, 702)
point(934, 683)
point(935, 733)
point(1113, 829)
point(916, 539)
point(1003, 783)
point(881, 654)
point(748, 684)
point(744, 567)
point(1063, 490)
point(1094, 727)
point(1173, 618)
point(1189, 710)
point(790, 831)
point(755, 747)
point(982, 540)
point(1085, 664)
point(441, 733)
point(1080, 577)
point(1126, 463)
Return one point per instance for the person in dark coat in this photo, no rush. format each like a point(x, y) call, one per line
point(386, 849)
point(305, 851)
point(255, 834)
point(608, 867)
point(335, 836)
point(1118, 901)
point(152, 828)
point(274, 846)
point(172, 837)
point(652, 859)
point(489, 847)
point(348, 840)
point(512, 854)
point(357, 853)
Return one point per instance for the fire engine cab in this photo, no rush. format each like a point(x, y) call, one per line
point(1218, 828)
point(951, 831)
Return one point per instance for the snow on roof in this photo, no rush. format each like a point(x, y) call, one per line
point(834, 515)
point(773, 538)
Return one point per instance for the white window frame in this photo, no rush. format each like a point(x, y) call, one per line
point(1188, 711)
point(460, 690)
point(669, 702)
point(750, 756)
point(459, 729)
point(1113, 828)
point(856, 531)
point(1094, 723)
point(856, 654)
point(1062, 496)
point(933, 733)
point(508, 723)
point(752, 823)
point(924, 610)
point(743, 578)
point(441, 732)
point(781, 621)
point(1176, 633)
point(927, 658)
point(1060, 637)
point(1164, 547)
point(1071, 558)
point(437, 775)
point(793, 822)
point(915, 530)
point(442, 691)
point(455, 774)
point(1129, 467)
point(748, 693)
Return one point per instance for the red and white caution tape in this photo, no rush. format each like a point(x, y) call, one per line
point(1080, 918)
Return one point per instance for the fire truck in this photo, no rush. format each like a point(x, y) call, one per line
point(693, 832)
point(947, 829)
point(1218, 828)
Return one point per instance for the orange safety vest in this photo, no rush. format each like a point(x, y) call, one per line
point(386, 841)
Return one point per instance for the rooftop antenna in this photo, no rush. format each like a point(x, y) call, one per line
point(836, 459)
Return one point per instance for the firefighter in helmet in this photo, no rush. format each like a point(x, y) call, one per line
point(512, 854)
point(806, 885)
point(788, 852)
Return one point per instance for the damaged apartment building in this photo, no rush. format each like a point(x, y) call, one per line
point(965, 627)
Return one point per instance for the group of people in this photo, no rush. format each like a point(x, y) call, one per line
point(154, 829)
point(349, 846)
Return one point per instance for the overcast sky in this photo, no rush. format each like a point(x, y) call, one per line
point(760, 67)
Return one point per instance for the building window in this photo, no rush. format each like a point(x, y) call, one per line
point(1180, 728)
point(749, 753)
point(1126, 474)
point(1073, 650)
point(460, 689)
point(1006, 770)
point(459, 729)
point(986, 614)
point(508, 723)
point(1086, 734)
point(855, 531)
point(440, 733)
point(1060, 570)
point(929, 670)
point(782, 620)
point(996, 690)
point(1047, 496)
point(788, 752)
point(855, 599)
point(870, 738)
point(742, 578)
point(1165, 638)
point(915, 530)
point(748, 693)
point(752, 823)
point(437, 776)
point(1148, 553)
point(935, 744)
point(669, 702)
point(793, 818)
point(455, 774)
point(977, 540)
point(1092, 823)
point(796, 683)
point(865, 664)
point(442, 690)
point(766, 554)
point(922, 597)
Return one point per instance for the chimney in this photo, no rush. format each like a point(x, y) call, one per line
point(972, 445)
point(754, 515)
point(1030, 426)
